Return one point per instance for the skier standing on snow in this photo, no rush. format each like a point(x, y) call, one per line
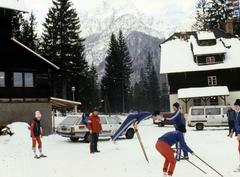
point(95, 127)
point(35, 134)
point(128, 121)
point(178, 120)
point(164, 144)
point(237, 128)
point(231, 119)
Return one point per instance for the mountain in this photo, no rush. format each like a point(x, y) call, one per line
point(142, 32)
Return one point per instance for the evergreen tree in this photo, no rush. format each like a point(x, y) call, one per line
point(62, 45)
point(144, 85)
point(148, 70)
point(201, 16)
point(137, 98)
point(17, 22)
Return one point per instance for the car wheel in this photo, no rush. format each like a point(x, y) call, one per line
point(73, 139)
point(160, 124)
point(87, 138)
point(130, 133)
point(199, 126)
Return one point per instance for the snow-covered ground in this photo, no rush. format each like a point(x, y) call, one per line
point(72, 159)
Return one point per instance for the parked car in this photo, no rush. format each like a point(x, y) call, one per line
point(207, 116)
point(161, 123)
point(74, 128)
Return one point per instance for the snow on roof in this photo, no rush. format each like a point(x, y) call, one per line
point(203, 92)
point(177, 57)
point(204, 35)
point(14, 5)
point(205, 50)
point(30, 50)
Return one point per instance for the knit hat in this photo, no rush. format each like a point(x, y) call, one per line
point(237, 102)
point(38, 114)
point(95, 109)
point(182, 128)
point(176, 105)
point(155, 113)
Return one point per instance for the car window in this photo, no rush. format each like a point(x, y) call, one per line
point(225, 110)
point(213, 111)
point(112, 120)
point(69, 121)
point(103, 120)
point(197, 112)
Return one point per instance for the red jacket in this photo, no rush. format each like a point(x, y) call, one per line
point(94, 124)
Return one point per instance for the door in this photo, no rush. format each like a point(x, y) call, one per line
point(106, 130)
point(214, 116)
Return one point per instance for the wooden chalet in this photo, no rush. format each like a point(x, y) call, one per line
point(25, 76)
point(203, 68)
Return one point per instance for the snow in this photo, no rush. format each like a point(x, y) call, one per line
point(14, 4)
point(203, 92)
point(205, 35)
point(176, 56)
point(66, 158)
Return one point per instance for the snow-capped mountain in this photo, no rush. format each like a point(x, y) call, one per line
point(186, 24)
point(109, 17)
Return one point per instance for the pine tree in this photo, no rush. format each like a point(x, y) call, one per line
point(144, 85)
point(148, 70)
point(17, 22)
point(201, 16)
point(62, 45)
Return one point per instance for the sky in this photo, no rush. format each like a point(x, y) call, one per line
point(173, 11)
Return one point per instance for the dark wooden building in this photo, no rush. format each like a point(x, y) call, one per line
point(197, 63)
point(25, 76)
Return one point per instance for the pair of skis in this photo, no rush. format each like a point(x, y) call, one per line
point(144, 152)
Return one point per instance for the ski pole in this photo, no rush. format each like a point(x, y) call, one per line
point(140, 141)
point(190, 162)
point(209, 165)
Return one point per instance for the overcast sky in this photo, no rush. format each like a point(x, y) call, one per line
point(171, 10)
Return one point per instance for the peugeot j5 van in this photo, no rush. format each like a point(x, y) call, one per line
point(207, 116)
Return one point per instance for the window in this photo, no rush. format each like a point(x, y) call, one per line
point(112, 120)
point(2, 79)
point(69, 121)
point(17, 79)
point(197, 112)
point(103, 120)
point(225, 110)
point(212, 80)
point(210, 59)
point(22, 79)
point(197, 102)
point(213, 111)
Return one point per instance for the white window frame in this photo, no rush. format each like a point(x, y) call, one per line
point(212, 80)
point(210, 59)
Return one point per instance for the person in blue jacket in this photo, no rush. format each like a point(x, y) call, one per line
point(128, 121)
point(164, 144)
point(178, 120)
point(237, 128)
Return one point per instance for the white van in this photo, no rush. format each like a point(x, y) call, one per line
point(207, 116)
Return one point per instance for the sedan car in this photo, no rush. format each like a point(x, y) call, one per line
point(74, 128)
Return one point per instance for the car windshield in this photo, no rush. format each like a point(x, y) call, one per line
point(112, 120)
point(69, 121)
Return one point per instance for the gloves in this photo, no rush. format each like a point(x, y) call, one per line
point(90, 131)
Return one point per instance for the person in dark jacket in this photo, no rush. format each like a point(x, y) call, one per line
point(178, 120)
point(164, 144)
point(231, 119)
point(95, 127)
point(36, 132)
point(128, 121)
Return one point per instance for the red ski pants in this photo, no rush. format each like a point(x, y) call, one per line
point(167, 153)
point(38, 140)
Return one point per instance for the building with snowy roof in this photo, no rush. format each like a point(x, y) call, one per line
point(25, 76)
point(203, 68)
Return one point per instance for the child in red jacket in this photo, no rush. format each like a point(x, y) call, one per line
point(35, 134)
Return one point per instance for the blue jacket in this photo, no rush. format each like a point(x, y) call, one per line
point(36, 129)
point(231, 115)
point(175, 137)
point(176, 117)
point(142, 116)
point(236, 128)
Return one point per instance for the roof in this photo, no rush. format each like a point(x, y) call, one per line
point(205, 35)
point(30, 50)
point(58, 103)
point(18, 5)
point(177, 56)
point(197, 92)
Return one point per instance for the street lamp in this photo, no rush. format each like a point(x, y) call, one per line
point(73, 89)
